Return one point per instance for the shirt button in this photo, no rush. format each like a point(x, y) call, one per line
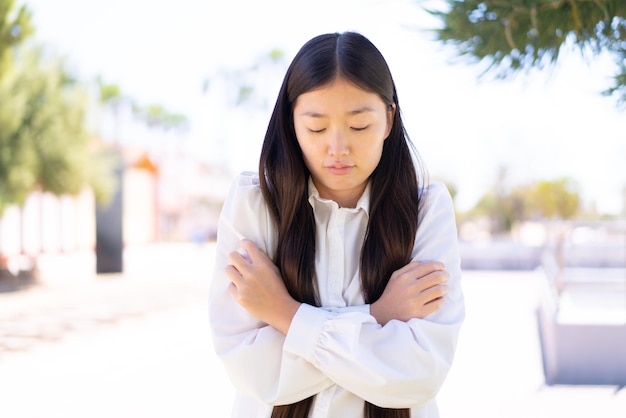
point(334, 286)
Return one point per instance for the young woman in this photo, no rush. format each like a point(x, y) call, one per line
point(336, 290)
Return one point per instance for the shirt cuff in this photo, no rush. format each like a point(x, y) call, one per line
point(304, 331)
point(364, 309)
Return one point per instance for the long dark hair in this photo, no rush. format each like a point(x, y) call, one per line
point(394, 201)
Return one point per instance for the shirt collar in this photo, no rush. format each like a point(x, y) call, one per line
point(362, 204)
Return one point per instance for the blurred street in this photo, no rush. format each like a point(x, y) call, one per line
point(138, 345)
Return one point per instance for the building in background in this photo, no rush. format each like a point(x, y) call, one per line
point(171, 197)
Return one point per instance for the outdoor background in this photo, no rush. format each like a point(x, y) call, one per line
point(129, 119)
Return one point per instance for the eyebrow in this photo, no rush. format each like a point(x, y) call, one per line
point(358, 111)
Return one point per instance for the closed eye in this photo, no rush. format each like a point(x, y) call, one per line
point(317, 131)
point(358, 129)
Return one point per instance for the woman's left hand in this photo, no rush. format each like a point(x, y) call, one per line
point(256, 284)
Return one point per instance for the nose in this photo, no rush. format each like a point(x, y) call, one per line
point(338, 144)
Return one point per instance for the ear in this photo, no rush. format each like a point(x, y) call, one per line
point(391, 112)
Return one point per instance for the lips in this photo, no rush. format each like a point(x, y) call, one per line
point(339, 168)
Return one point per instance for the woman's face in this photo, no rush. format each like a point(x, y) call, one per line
point(341, 130)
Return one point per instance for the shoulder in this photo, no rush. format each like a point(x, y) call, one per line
point(436, 237)
point(245, 186)
point(244, 198)
point(436, 197)
point(246, 180)
point(245, 213)
point(437, 218)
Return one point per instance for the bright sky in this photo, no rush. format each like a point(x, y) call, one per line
point(542, 126)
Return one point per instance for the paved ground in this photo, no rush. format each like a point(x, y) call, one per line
point(498, 371)
point(137, 346)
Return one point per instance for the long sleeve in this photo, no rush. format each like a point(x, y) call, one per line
point(401, 364)
point(337, 352)
point(251, 351)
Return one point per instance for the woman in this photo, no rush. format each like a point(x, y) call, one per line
point(336, 290)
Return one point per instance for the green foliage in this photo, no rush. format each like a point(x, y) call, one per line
point(542, 199)
point(504, 209)
point(514, 35)
point(15, 27)
point(556, 199)
point(156, 116)
point(110, 94)
point(43, 143)
point(100, 171)
point(276, 55)
point(245, 81)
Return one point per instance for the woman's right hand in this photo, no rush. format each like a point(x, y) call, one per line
point(414, 291)
point(256, 284)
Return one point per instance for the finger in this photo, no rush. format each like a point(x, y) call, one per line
point(244, 254)
point(234, 292)
point(406, 273)
point(234, 257)
point(418, 269)
point(252, 250)
point(432, 307)
point(430, 266)
point(406, 269)
point(233, 274)
point(431, 279)
point(238, 260)
point(433, 293)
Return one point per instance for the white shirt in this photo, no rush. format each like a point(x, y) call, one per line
point(337, 352)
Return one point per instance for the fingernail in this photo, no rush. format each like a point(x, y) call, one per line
point(244, 253)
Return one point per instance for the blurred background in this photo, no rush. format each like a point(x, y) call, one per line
point(122, 124)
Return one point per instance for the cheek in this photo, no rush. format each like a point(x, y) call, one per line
point(308, 152)
point(373, 150)
point(375, 155)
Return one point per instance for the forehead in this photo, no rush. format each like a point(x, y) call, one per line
point(338, 96)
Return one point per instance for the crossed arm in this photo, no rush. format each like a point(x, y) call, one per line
point(394, 353)
point(414, 291)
